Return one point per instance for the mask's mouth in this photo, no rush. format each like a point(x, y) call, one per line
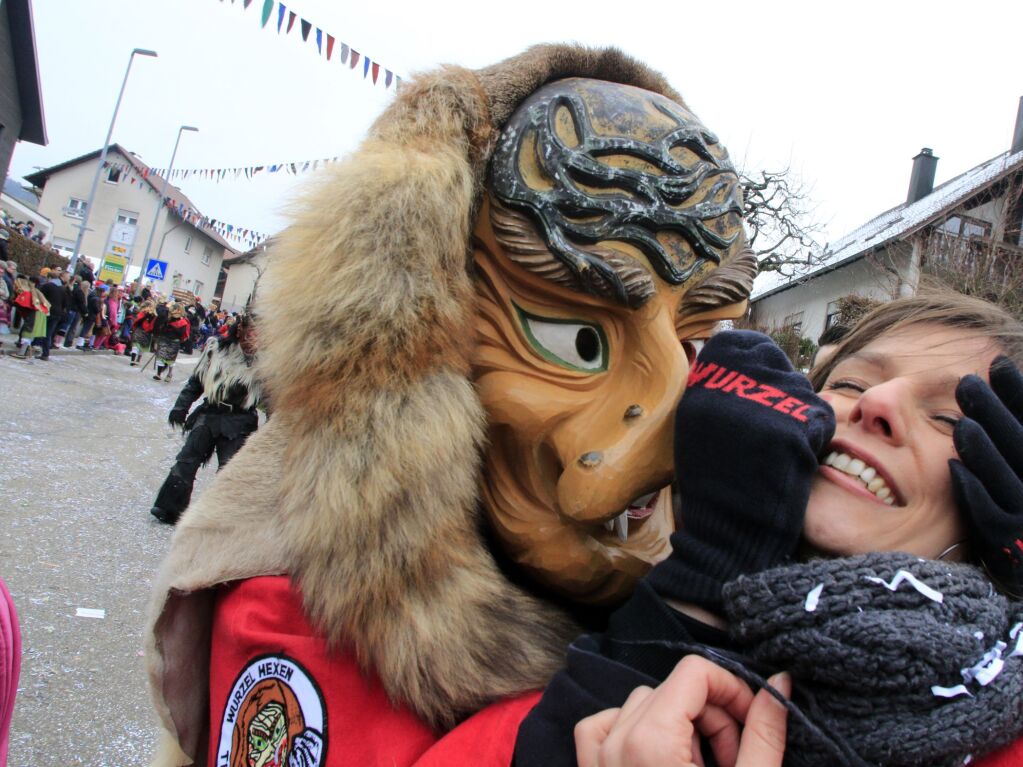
point(634, 515)
point(870, 476)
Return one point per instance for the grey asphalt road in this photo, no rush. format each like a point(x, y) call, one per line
point(84, 446)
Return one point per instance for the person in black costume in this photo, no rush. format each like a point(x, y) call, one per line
point(225, 376)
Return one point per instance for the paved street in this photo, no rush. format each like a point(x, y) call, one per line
point(85, 446)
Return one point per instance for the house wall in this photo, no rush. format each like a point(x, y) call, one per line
point(10, 103)
point(185, 267)
point(19, 211)
point(241, 279)
point(865, 277)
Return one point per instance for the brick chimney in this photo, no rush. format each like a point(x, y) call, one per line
point(921, 183)
point(1017, 134)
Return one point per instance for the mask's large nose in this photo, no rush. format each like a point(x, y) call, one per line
point(620, 446)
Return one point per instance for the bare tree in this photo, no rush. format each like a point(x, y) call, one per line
point(260, 269)
point(781, 219)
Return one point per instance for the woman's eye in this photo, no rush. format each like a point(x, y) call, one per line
point(946, 423)
point(567, 343)
point(845, 383)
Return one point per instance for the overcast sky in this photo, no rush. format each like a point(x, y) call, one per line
point(845, 94)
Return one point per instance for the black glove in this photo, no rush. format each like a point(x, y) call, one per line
point(748, 433)
point(988, 478)
point(177, 417)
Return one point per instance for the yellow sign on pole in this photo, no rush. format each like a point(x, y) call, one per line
point(112, 269)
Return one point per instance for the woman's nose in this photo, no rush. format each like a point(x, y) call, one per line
point(882, 410)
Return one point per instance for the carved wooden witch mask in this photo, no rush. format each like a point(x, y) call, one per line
point(609, 239)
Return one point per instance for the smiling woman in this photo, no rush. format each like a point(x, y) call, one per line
point(885, 485)
point(893, 384)
point(860, 563)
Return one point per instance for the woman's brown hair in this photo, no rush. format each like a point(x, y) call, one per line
point(932, 306)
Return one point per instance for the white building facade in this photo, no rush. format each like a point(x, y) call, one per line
point(243, 278)
point(127, 201)
point(883, 259)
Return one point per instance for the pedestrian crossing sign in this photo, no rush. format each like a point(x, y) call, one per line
point(156, 269)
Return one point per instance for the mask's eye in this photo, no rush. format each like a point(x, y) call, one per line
point(566, 343)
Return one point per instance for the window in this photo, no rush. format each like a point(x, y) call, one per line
point(188, 243)
point(207, 251)
point(197, 289)
point(832, 315)
point(966, 226)
point(125, 217)
point(64, 247)
point(113, 175)
point(794, 322)
point(75, 208)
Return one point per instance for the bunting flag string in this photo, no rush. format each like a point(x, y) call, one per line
point(245, 236)
point(348, 54)
point(235, 173)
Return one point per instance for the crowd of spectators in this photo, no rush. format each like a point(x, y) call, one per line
point(53, 309)
point(26, 229)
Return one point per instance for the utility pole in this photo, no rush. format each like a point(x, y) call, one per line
point(159, 210)
point(102, 159)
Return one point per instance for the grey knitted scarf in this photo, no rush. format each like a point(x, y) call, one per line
point(895, 660)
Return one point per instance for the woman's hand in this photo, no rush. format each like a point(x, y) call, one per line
point(663, 727)
point(988, 478)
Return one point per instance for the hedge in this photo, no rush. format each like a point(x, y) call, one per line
point(31, 256)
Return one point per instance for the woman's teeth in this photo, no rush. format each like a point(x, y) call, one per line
point(855, 467)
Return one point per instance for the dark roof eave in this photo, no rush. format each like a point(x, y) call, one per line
point(39, 179)
point(795, 283)
point(903, 235)
point(26, 66)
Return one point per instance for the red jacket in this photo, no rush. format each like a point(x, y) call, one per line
point(275, 685)
point(276, 688)
point(144, 321)
point(179, 327)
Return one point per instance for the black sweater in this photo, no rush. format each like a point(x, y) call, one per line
point(644, 641)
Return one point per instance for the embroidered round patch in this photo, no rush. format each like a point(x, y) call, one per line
point(274, 717)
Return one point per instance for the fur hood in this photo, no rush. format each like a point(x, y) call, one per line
point(225, 370)
point(369, 468)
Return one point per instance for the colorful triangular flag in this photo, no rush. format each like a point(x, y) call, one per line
point(344, 53)
point(281, 10)
point(291, 20)
point(330, 45)
point(355, 58)
point(268, 6)
point(306, 29)
point(376, 71)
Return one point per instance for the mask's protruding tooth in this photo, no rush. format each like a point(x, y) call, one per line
point(609, 525)
point(621, 523)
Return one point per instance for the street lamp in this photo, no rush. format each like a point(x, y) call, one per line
point(159, 209)
point(102, 159)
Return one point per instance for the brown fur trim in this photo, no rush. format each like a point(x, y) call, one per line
point(509, 82)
